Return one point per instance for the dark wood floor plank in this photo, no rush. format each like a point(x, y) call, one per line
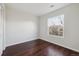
point(38, 48)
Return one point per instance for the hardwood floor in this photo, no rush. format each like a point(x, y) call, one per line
point(38, 48)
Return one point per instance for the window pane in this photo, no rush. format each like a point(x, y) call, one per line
point(56, 25)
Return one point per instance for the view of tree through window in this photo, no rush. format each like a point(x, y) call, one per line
point(56, 25)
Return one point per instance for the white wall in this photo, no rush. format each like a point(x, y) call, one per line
point(20, 26)
point(2, 21)
point(1, 31)
point(71, 27)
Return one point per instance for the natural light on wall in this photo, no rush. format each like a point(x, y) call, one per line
point(56, 25)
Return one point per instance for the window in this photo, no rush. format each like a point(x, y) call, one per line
point(56, 25)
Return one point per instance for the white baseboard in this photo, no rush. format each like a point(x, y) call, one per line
point(30, 39)
point(0, 53)
point(61, 45)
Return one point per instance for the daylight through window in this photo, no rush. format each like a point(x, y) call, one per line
point(56, 25)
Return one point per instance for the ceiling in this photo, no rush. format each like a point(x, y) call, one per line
point(37, 9)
